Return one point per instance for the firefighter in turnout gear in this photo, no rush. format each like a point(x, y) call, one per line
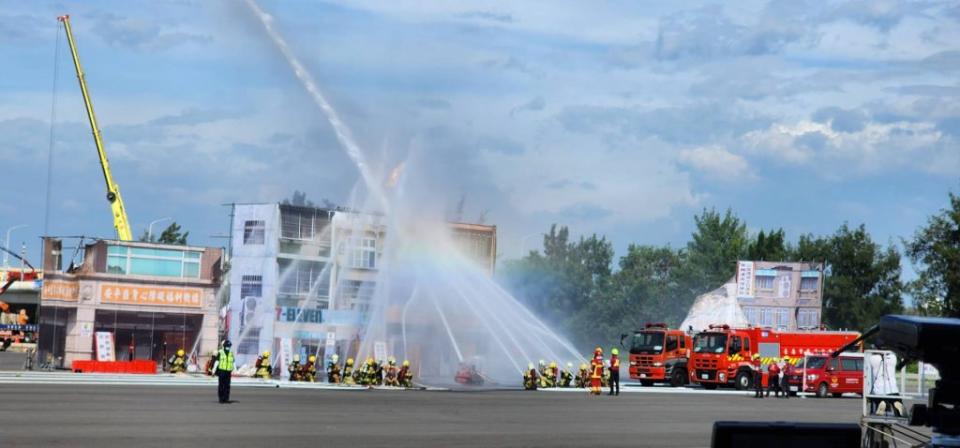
point(310, 370)
point(295, 369)
point(530, 378)
point(179, 363)
point(378, 373)
point(264, 369)
point(583, 376)
point(549, 376)
point(405, 375)
point(390, 377)
point(566, 376)
point(368, 373)
point(349, 375)
point(596, 371)
point(333, 370)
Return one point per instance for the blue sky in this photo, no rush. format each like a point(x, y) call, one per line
point(622, 118)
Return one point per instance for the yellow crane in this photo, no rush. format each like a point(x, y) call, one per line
point(120, 221)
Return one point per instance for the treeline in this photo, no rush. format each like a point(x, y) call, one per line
point(574, 285)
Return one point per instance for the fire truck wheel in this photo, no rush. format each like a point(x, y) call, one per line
point(678, 378)
point(822, 390)
point(743, 381)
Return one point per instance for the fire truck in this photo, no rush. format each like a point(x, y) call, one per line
point(722, 355)
point(659, 354)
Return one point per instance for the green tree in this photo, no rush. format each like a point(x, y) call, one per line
point(770, 246)
point(717, 243)
point(862, 279)
point(935, 250)
point(173, 235)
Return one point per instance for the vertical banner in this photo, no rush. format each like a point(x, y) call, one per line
point(286, 355)
point(745, 279)
point(105, 347)
point(380, 351)
point(331, 346)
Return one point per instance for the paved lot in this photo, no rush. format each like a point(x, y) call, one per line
point(140, 416)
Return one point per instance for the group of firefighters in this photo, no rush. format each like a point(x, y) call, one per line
point(776, 373)
point(597, 375)
point(370, 373)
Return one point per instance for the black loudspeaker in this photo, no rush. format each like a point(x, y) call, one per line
point(785, 435)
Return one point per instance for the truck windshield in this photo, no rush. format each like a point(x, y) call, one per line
point(647, 342)
point(816, 363)
point(709, 343)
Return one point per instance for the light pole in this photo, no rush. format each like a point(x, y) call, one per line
point(6, 245)
point(150, 227)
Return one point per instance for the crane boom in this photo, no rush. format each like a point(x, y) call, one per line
point(120, 220)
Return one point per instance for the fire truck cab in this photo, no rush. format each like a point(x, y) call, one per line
point(724, 356)
point(659, 354)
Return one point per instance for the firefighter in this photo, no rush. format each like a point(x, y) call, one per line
point(360, 374)
point(378, 373)
point(295, 369)
point(333, 370)
point(369, 372)
point(530, 378)
point(566, 376)
point(309, 372)
point(596, 371)
point(757, 376)
point(179, 362)
point(773, 371)
point(785, 370)
point(405, 375)
point(583, 376)
point(547, 377)
point(348, 373)
point(264, 369)
point(614, 371)
point(391, 375)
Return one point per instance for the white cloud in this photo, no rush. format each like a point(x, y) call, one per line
point(716, 162)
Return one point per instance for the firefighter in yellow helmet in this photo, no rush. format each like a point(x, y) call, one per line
point(583, 376)
point(333, 369)
point(348, 373)
point(295, 369)
point(179, 363)
point(530, 377)
point(405, 375)
point(264, 369)
point(309, 372)
point(548, 378)
point(368, 372)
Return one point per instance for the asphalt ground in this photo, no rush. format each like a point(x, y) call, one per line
point(53, 415)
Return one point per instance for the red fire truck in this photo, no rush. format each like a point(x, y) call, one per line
point(722, 355)
point(659, 354)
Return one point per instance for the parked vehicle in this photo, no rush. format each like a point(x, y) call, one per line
point(659, 354)
point(825, 376)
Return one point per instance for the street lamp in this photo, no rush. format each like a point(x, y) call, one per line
point(6, 245)
point(150, 227)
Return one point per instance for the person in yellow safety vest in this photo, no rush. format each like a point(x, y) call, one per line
point(583, 376)
point(179, 363)
point(309, 370)
point(264, 369)
point(294, 369)
point(530, 378)
point(405, 375)
point(333, 370)
point(348, 373)
point(549, 378)
point(566, 376)
point(223, 366)
point(390, 377)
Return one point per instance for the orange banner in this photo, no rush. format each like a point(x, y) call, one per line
point(150, 295)
point(60, 290)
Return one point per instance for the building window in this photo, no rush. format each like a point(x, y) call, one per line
point(354, 293)
point(808, 318)
point(153, 261)
point(253, 232)
point(765, 282)
point(251, 286)
point(766, 317)
point(303, 278)
point(808, 284)
point(303, 223)
point(753, 315)
point(363, 253)
point(783, 317)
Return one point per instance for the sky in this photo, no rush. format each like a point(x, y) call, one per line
point(619, 118)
